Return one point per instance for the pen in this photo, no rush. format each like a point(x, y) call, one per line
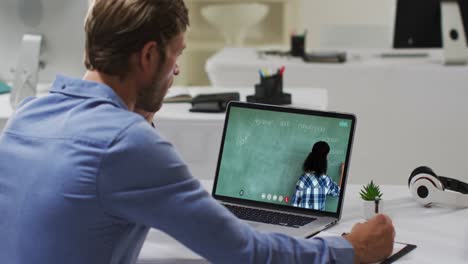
point(281, 71)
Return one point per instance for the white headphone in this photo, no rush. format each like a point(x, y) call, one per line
point(428, 188)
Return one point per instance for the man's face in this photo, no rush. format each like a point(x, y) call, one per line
point(150, 97)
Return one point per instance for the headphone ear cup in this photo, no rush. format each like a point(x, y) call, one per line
point(419, 170)
point(428, 188)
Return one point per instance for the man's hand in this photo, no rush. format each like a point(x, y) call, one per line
point(147, 115)
point(372, 240)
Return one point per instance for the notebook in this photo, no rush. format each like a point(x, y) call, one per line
point(260, 173)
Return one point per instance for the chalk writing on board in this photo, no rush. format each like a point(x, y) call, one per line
point(314, 128)
point(242, 140)
point(263, 122)
point(329, 139)
point(285, 123)
point(337, 152)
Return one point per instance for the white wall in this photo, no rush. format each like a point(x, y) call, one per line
point(427, 108)
point(59, 22)
point(352, 15)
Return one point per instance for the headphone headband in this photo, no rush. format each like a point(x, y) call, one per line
point(454, 185)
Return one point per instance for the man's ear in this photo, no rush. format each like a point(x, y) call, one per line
point(148, 56)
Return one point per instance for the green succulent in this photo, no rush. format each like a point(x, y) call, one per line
point(371, 192)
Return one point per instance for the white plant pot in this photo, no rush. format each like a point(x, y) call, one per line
point(371, 208)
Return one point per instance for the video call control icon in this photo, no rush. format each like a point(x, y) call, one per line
point(274, 197)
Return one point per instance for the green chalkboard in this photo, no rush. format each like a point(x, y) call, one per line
point(264, 151)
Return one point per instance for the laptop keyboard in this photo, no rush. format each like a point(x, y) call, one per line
point(269, 217)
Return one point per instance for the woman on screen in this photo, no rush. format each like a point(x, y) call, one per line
point(314, 185)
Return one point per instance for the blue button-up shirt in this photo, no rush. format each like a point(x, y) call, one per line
point(82, 179)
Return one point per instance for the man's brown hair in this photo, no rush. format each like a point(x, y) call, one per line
point(115, 29)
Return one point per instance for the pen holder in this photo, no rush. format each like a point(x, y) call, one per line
point(270, 91)
point(298, 45)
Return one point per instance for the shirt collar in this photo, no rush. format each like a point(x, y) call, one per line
point(88, 89)
point(311, 174)
point(314, 179)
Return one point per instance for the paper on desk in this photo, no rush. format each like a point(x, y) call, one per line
point(178, 94)
point(397, 246)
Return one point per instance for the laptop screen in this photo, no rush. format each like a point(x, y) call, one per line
point(286, 157)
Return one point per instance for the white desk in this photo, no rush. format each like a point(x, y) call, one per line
point(197, 136)
point(5, 109)
point(441, 234)
point(410, 112)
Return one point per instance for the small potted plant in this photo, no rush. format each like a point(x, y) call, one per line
point(372, 200)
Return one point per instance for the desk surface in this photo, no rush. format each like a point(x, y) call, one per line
point(441, 234)
point(363, 58)
point(238, 67)
point(5, 108)
point(302, 97)
point(305, 97)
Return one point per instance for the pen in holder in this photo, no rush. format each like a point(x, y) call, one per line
point(298, 45)
point(270, 90)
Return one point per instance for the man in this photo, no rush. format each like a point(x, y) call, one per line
point(83, 177)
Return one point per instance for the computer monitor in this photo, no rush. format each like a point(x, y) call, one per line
point(57, 25)
point(418, 23)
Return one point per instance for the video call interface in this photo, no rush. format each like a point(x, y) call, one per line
point(263, 155)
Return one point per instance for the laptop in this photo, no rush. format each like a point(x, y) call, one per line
point(260, 167)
